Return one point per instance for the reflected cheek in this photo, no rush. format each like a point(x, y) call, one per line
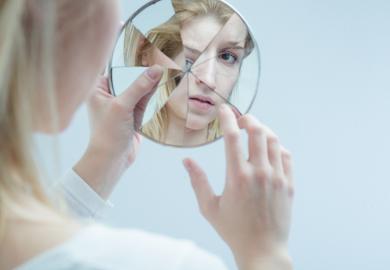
point(177, 103)
point(225, 87)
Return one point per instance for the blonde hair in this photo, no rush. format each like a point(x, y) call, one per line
point(20, 66)
point(166, 37)
point(27, 45)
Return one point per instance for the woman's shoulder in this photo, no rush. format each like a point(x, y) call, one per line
point(100, 247)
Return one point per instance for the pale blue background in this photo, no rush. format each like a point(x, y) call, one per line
point(325, 90)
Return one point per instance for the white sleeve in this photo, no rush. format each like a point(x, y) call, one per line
point(82, 200)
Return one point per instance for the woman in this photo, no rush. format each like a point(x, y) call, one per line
point(47, 69)
point(198, 39)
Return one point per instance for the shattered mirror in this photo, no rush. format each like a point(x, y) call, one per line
point(209, 57)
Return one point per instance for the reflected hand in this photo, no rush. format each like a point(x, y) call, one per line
point(114, 121)
point(253, 213)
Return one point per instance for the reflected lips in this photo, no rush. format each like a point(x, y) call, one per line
point(203, 103)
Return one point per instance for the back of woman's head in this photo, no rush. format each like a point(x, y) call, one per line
point(24, 53)
point(47, 68)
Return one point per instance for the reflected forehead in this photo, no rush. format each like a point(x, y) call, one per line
point(197, 33)
point(234, 31)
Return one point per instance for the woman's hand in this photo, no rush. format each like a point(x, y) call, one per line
point(114, 121)
point(253, 213)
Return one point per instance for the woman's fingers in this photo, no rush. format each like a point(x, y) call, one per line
point(257, 140)
point(203, 191)
point(287, 168)
point(103, 84)
point(139, 110)
point(144, 85)
point(275, 154)
point(231, 132)
point(286, 161)
point(264, 148)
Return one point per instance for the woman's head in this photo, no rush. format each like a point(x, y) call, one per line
point(197, 40)
point(51, 53)
point(84, 37)
point(61, 44)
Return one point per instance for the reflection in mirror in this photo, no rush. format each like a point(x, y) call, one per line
point(200, 22)
point(204, 47)
point(138, 51)
point(167, 122)
point(154, 14)
point(203, 106)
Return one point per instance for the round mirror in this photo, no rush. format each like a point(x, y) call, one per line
point(209, 57)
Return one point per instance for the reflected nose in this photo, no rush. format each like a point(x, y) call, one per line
point(205, 73)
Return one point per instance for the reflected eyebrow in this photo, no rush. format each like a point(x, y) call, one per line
point(234, 44)
point(234, 48)
point(191, 49)
point(228, 45)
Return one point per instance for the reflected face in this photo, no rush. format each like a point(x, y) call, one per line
point(156, 57)
point(202, 46)
point(213, 54)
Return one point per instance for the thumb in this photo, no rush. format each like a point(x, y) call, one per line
point(203, 191)
point(142, 86)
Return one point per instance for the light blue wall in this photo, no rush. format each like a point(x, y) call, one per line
point(325, 89)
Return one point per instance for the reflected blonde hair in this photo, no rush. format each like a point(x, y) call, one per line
point(166, 37)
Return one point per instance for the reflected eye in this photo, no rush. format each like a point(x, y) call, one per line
point(228, 57)
point(188, 64)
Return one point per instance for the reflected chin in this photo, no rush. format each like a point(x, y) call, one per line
point(197, 122)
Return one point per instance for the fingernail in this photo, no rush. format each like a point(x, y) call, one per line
point(187, 164)
point(154, 72)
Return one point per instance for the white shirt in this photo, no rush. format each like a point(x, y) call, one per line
point(98, 247)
